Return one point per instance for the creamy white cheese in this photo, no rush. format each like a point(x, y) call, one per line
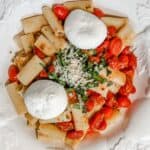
point(45, 99)
point(84, 30)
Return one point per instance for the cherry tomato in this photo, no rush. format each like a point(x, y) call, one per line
point(126, 50)
point(61, 11)
point(65, 126)
point(43, 74)
point(94, 59)
point(96, 97)
point(102, 125)
point(39, 53)
point(114, 63)
point(51, 68)
point(111, 100)
point(75, 134)
point(115, 46)
point(103, 46)
point(12, 72)
point(112, 31)
point(99, 13)
point(123, 101)
point(128, 88)
point(107, 111)
point(129, 72)
point(90, 92)
point(89, 105)
point(96, 120)
point(123, 61)
point(132, 61)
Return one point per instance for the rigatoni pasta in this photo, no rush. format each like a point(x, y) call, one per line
point(16, 98)
point(55, 24)
point(27, 42)
point(33, 24)
point(30, 71)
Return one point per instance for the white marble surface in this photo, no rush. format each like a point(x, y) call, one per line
point(14, 135)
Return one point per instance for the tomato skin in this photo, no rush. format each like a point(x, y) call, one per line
point(51, 68)
point(112, 31)
point(115, 46)
point(90, 92)
point(72, 96)
point(61, 11)
point(103, 46)
point(96, 120)
point(98, 12)
point(12, 72)
point(94, 59)
point(43, 74)
point(107, 111)
point(132, 61)
point(75, 134)
point(65, 126)
point(39, 53)
point(96, 97)
point(111, 100)
point(129, 72)
point(114, 63)
point(128, 88)
point(102, 125)
point(89, 105)
point(126, 50)
point(123, 101)
point(123, 61)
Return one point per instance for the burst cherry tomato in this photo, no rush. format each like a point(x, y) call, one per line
point(99, 13)
point(43, 74)
point(39, 53)
point(123, 61)
point(102, 125)
point(61, 11)
point(96, 97)
point(65, 126)
point(115, 46)
point(128, 88)
point(123, 101)
point(129, 72)
point(112, 31)
point(107, 111)
point(114, 62)
point(126, 50)
point(12, 73)
point(51, 68)
point(75, 134)
point(132, 61)
point(111, 100)
point(103, 46)
point(96, 120)
point(89, 105)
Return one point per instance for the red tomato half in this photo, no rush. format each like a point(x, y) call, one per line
point(123, 101)
point(39, 53)
point(126, 50)
point(129, 72)
point(65, 126)
point(89, 105)
point(114, 63)
point(99, 13)
point(75, 134)
point(111, 100)
point(103, 46)
point(43, 74)
point(96, 97)
point(107, 111)
point(61, 11)
point(115, 46)
point(123, 61)
point(51, 68)
point(12, 73)
point(112, 31)
point(128, 88)
point(132, 61)
point(96, 120)
point(102, 125)
point(94, 59)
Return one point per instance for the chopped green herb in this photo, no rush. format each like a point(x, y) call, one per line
point(53, 76)
point(69, 89)
point(43, 65)
point(103, 62)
